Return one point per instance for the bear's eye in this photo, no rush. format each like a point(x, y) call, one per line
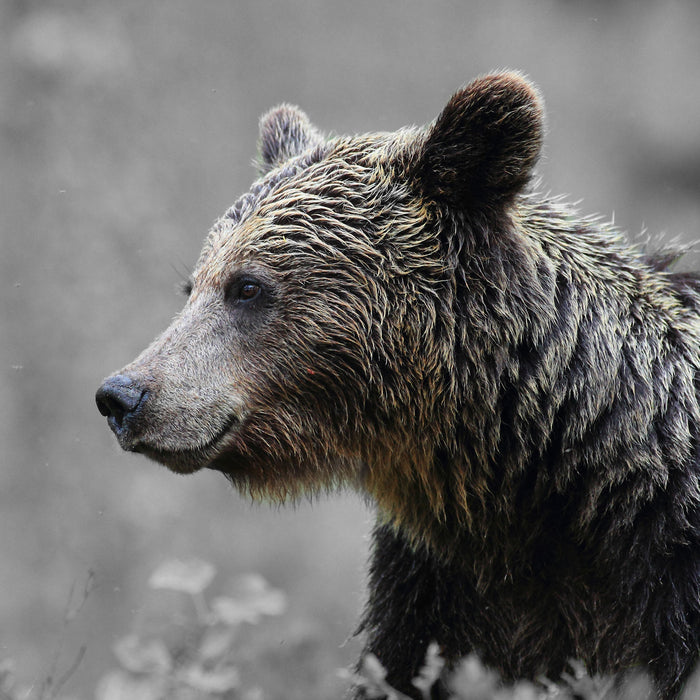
point(244, 291)
point(248, 291)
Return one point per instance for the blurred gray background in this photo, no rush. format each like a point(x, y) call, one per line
point(125, 129)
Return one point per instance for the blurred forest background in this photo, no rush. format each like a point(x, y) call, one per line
point(125, 129)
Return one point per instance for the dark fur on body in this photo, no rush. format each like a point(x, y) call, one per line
point(584, 532)
point(513, 386)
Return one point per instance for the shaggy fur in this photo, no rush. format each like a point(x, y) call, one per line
point(514, 386)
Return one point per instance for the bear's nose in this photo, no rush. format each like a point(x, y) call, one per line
point(119, 399)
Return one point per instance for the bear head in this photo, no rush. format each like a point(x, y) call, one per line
point(321, 337)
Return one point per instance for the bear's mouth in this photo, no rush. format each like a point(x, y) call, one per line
point(187, 460)
point(228, 424)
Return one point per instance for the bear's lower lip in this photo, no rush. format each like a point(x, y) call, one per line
point(188, 459)
point(228, 424)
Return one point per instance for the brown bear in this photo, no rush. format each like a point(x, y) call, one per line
point(514, 386)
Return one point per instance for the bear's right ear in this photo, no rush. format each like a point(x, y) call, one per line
point(285, 132)
point(480, 151)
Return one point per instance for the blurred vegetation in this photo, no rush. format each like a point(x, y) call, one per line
point(125, 129)
point(204, 650)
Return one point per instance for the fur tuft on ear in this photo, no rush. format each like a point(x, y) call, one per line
point(481, 150)
point(285, 132)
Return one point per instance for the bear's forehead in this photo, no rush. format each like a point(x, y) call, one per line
point(340, 184)
point(338, 168)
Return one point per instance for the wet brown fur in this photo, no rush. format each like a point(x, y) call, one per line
point(514, 386)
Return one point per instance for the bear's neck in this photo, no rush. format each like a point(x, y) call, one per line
point(556, 423)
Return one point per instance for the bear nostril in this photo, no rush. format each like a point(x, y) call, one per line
point(118, 398)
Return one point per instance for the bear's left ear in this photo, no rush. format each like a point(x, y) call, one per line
point(481, 150)
point(285, 132)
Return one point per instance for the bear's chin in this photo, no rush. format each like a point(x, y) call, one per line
point(180, 462)
point(187, 460)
